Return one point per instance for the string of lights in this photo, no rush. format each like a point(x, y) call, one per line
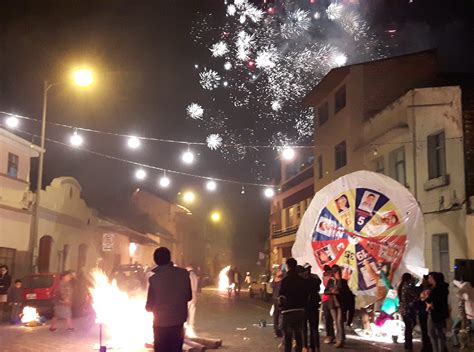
point(134, 141)
point(140, 173)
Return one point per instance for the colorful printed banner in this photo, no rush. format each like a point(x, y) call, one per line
point(366, 223)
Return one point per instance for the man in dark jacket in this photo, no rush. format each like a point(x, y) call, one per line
point(294, 298)
point(312, 310)
point(168, 296)
point(437, 306)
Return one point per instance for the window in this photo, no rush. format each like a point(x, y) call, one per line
point(71, 192)
point(7, 257)
point(340, 155)
point(436, 156)
point(320, 167)
point(397, 169)
point(12, 168)
point(340, 99)
point(323, 113)
point(379, 165)
point(440, 250)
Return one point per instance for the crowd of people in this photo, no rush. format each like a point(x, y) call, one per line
point(297, 302)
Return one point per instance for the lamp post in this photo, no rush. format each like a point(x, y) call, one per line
point(82, 78)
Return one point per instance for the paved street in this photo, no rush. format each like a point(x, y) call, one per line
point(235, 321)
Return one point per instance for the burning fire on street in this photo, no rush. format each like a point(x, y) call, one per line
point(30, 317)
point(127, 325)
point(224, 279)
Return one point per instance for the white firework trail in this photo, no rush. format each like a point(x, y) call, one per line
point(276, 105)
point(214, 141)
point(231, 10)
point(219, 49)
point(209, 79)
point(267, 59)
point(244, 44)
point(339, 59)
point(305, 124)
point(227, 66)
point(298, 23)
point(195, 111)
point(334, 11)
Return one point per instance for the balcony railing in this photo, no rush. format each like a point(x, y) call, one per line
point(285, 232)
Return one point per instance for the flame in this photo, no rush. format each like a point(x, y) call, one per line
point(223, 279)
point(126, 323)
point(29, 315)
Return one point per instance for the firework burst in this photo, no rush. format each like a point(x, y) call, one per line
point(214, 141)
point(195, 111)
point(209, 79)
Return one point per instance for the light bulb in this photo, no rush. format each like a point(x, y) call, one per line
point(189, 197)
point(188, 157)
point(269, 192)
point(133, 142)
point(140, 174)
point(211, 186)
point(12, 122)
point(76, 140)
point(288, 153)
point(165, 181)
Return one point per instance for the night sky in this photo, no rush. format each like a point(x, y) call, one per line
point(144, 57)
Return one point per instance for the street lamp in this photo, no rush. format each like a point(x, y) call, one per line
point(215, 216)
point(83, 78)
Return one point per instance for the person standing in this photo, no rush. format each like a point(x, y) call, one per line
point(15, 301)
point(192, 303)
point(294, 296)
point(5, 283)
point(408, 297)
point(328, 322)
point(337, 290)
point(424, 291)
point(168, 295)
point(312, 310)
point(63, 302)
point(276, 285)
point(238, 281)
point(437, 306)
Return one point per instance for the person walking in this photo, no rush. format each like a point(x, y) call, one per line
point(424, 291)
point(15, 301)
point(408, 296)
point(437, 306)
point(192, 303)
point(63, 302)
point(276, 285)
point(168, 295)
point(5, 283)
point(328, 322)
point(338, 290)
point(294, 296)
point(312, 310)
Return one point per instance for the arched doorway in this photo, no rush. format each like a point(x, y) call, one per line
point(82, 256)
point(44, 256)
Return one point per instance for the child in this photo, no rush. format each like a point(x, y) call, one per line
point(15, 301)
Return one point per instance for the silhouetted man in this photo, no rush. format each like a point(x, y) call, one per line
point(294, 293)
point(168, 296)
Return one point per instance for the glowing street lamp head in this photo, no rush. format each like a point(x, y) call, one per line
point(216, 216)
point(188, 157)
point(76, 140)
point(164, 182)
point(269, 192)
point(12, 122)
point(288, 153)
point(83, 77)
point(133, 142)
point(211, 186)
point(140, 174)
point(189, 197)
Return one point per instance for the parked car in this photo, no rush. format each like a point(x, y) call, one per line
point(130, 277)
point(261, 288)
point(38, 291)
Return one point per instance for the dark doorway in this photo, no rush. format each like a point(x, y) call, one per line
point(44, 257)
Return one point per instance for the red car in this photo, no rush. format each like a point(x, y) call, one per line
point(38, 291)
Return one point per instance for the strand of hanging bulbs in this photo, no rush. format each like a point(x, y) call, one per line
point(187, 157)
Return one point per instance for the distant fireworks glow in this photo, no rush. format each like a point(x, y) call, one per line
point(267, 58)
